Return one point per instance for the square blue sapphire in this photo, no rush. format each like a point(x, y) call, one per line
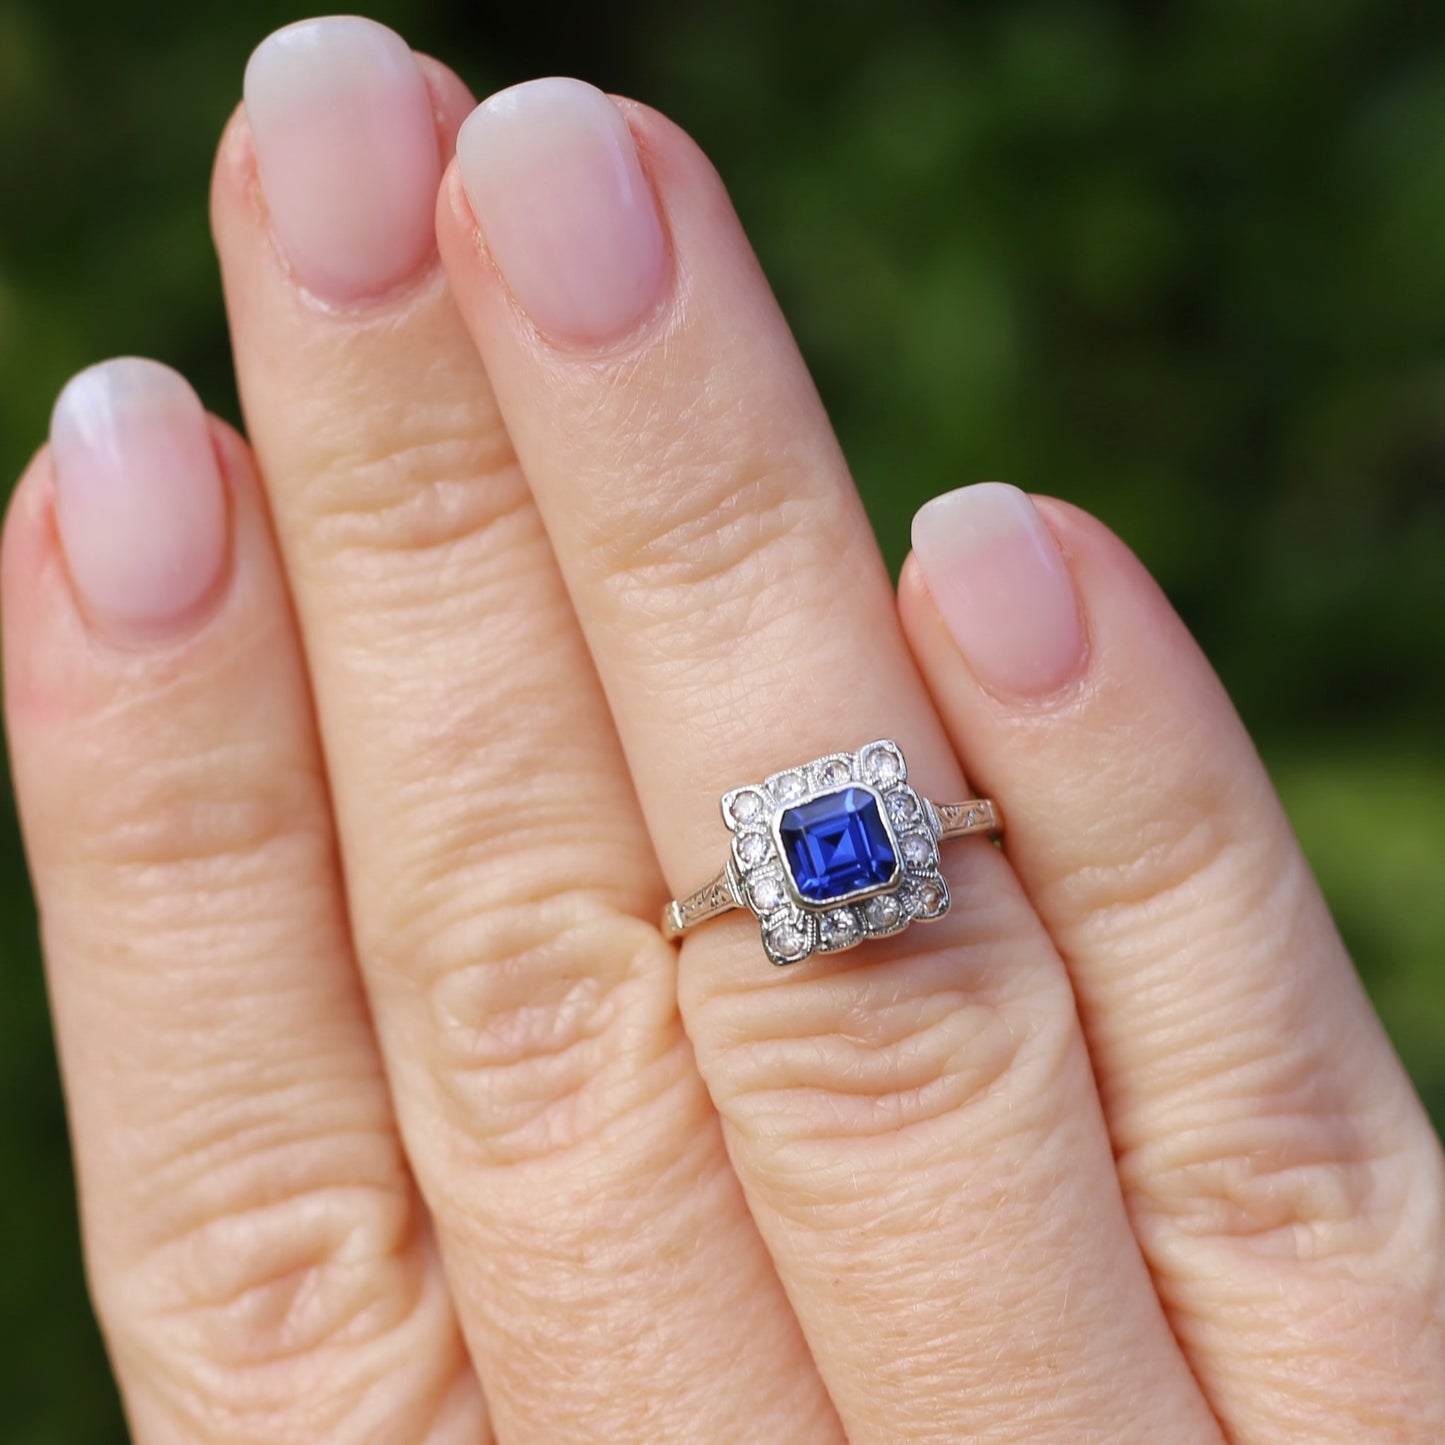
point(837, 845)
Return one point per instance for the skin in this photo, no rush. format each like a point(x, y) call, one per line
point(397, 1119)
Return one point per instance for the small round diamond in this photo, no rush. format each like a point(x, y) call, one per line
point(904, 806)
point(767, 892)
point(788, 940)
point(834, 771)
point(839, 928)
point(917, 850)
point(882, 766)
point(749, 807)
point(752, 849)
point(929, 899)
point(883, 911)
point(790, 787)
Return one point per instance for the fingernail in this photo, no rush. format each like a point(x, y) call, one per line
point(1003, 589)
point(556, 186)
point(346, 148)
point(139, 500)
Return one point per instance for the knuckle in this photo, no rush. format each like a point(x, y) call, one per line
point(1168, 865)
point(253, 1281)
point(286, 1313)
point(736, 531)
point(1288, 1175)
point(197, 782)
point(890, 1060)
point(413, 479)
point(1254, 1190)
point(1193, 843)
point(1329, 1253)
point(205, 823)
point(547, 1020)
point(523, 818)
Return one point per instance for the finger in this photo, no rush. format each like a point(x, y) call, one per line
point(592, 1227)
point(913, 1130)
point(259, 1261)
point(1282, 1176)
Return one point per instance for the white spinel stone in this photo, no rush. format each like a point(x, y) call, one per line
point(748, 807)
point(917, 850)
point(930, 898)
point(882, 767)
point(767, 891)
point(752, 848)
point(840, 927)
point(835, 771)
point(789, 940)
point(903, 806)
point(790, 787)
point(883, 911)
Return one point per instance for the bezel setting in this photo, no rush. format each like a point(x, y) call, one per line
point(794, 926)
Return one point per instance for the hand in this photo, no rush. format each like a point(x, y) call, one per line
point(357, 764)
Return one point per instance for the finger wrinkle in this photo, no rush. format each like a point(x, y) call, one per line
point(1295, 1176)
point(694, 512)
point(418, 491)
point(545, 1022)
point(799, 1068)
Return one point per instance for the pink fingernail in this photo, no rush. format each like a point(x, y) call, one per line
point(556, 185)
point(347, 153)
point(139, 499)
point(1003, 588)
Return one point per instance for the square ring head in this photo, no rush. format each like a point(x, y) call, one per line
point(836, 851)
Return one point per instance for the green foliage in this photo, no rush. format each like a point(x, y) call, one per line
point(1181, 263)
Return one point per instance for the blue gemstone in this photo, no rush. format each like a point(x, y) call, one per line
point(836, 845)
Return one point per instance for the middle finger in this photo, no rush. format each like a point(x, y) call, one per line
point(916, 1125)
point(591, 1227)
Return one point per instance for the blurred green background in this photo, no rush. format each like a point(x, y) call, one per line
point(1182, 263)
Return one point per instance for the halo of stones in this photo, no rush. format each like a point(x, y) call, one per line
point(792, 928)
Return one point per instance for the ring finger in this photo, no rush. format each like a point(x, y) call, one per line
point(916, 1127)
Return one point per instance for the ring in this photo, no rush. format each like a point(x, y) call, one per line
point(834, 852)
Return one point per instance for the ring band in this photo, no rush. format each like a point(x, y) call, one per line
point(832, 853)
